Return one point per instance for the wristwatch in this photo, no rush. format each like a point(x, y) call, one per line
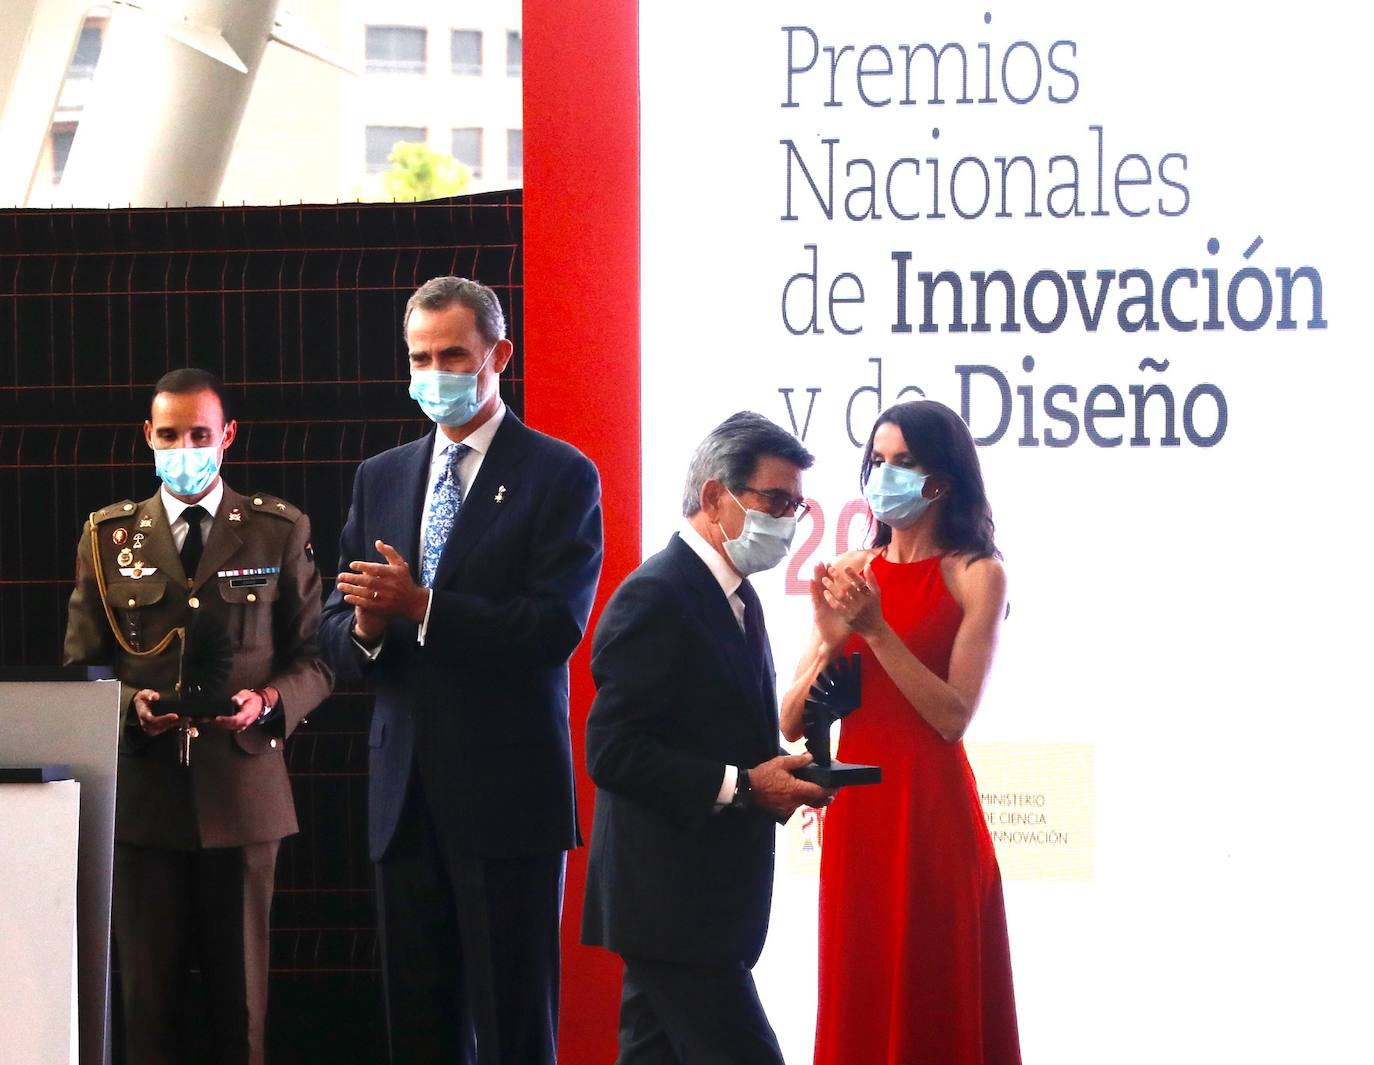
point(267, 706)
point(740, 800)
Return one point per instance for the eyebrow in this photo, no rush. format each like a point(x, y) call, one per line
point(458, 350)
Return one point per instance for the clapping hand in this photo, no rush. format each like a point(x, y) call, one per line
point(379, 590)
point(855, 598)
point(830, 622)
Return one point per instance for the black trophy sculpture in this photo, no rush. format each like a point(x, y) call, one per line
point(834, 695)
point(206, 655)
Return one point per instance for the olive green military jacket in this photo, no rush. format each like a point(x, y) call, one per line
point(258, 576)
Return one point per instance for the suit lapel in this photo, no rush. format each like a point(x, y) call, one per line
point(770, 682)
point(413, 479)
point(224, 537)
point(499, 476)
point(715, 611)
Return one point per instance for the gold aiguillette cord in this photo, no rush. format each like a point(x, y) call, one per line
point(178, 633)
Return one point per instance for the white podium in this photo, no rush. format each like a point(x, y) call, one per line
point(50, 854)
point(38, 836)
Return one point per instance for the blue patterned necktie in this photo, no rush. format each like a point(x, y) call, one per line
point(443, 512)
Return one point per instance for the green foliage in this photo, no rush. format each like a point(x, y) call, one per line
point(418, 172)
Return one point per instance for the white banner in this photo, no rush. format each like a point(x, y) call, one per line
point(1123, 242)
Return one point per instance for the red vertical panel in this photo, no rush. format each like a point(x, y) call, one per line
point(581, 84)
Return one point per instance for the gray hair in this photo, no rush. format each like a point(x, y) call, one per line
point(438, 293)
point(731, 452)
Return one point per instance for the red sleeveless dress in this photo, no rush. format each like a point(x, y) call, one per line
point(914, 963)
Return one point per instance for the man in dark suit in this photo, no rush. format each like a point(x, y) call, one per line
point(198, 823)
point(682, 742)
point(470, 559)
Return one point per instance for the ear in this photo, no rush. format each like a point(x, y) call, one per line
point(501, 355)
point(712, 495)
point(936, 487)
point(231, 430)
point(148, 432)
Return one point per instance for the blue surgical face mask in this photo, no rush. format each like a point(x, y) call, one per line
point(894, 495)
point(447, 398)
point(187, 471)
point(762, 543)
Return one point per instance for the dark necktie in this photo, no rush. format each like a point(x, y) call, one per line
point(192, 546)
point(754, 634)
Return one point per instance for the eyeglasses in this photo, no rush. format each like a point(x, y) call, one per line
point(780, 503)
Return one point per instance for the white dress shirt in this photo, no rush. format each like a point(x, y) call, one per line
point(175, 509)
point(478, 442)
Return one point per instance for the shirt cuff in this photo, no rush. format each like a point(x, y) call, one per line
point(424, 625)
point(370, 652)
point(727, 787)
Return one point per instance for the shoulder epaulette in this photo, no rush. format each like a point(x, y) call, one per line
point(123, 509)
point(266, 504)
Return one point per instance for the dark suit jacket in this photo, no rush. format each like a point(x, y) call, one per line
point(669, 878)
point(480, 711)
point(237, 791)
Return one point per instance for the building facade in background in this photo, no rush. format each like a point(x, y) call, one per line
point(436, 72)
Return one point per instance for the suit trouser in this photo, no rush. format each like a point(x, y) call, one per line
point(673, 1014)
point(174, 908)
point(469, 949)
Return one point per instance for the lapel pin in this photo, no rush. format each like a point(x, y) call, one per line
point(501, 494)
point(119, 536)
point(145, 522)
point(138, 541)
point(236, 515)
point(125, 557)
point(281, 507)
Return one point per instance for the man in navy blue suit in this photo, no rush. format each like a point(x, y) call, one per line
point(682, 742)
point(470, 559)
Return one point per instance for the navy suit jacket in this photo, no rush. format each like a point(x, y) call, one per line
point(480, 712)
point(677, 700)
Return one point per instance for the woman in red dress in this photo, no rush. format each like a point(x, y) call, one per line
point(914, 963)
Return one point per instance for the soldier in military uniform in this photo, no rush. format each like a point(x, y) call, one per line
point(202, 803)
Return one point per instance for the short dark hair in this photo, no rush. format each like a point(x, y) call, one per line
point(187, 381)
point(731, 452)
point(941, 444)
point(440, 292)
